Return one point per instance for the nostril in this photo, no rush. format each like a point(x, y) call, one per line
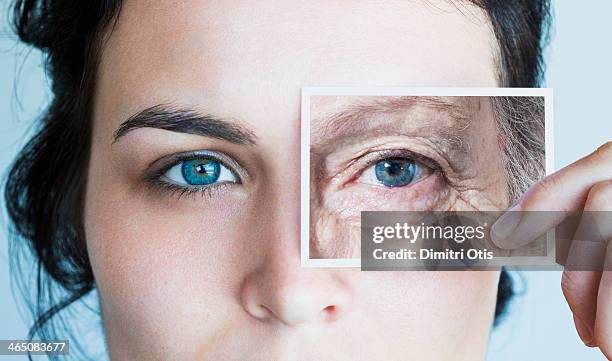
point(251, 303)
point(294, 298)
point(261, 312)
point(329, 313)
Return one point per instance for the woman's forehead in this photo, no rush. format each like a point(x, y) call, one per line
point(249, 59)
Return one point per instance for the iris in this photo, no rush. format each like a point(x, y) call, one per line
point(395, 172)
point(200, 171)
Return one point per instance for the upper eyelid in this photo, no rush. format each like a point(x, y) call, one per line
point(407, 154)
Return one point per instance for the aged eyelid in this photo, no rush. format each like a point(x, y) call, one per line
point(417, 149)
point(353, 169)
point(448, 153)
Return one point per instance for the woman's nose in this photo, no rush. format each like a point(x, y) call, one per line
point(278, 289)
point(282, 291)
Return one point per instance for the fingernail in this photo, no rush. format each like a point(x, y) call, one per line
point(584, 331)
point(505, 225)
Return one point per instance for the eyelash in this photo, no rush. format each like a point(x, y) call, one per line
point(179, 192)
point(157, 175)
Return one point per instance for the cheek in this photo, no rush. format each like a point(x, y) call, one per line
point(333, 236)
point(152, 254)
point(430, 307)
point(430, 193)
point(335, 221)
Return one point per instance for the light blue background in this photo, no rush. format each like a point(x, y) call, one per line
point(540, 326)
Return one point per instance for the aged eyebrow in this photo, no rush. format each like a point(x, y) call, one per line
point(182, 120)
point(352, 119)
point(384, 115)
point(377, 116)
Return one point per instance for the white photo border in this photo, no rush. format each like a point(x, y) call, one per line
point(309, 91)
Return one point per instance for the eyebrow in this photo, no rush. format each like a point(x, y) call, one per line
point(347, 121)
point(183, 120)
point(368, 113)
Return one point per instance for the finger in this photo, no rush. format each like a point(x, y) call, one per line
point(588, 245)
point(581, 279)
point(559, 193)
point(583, 271)
point(603, 320)
point(578, 289)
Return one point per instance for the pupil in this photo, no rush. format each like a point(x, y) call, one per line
point(393, 168)
point(204, 168)
point(395, 172)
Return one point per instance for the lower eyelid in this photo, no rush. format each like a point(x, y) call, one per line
point(428, 193)
point(210, 191)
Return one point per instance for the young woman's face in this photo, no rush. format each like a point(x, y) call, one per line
point(199, 259)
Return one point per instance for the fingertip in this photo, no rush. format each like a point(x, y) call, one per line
point(585, 332)
point(504, 227)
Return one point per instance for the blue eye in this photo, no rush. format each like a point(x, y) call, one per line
point(393, 172)
point(199, 172)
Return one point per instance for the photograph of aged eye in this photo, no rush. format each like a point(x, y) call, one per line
point(417, 153)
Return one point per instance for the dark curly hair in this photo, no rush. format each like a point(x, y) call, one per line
point(45, 186)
